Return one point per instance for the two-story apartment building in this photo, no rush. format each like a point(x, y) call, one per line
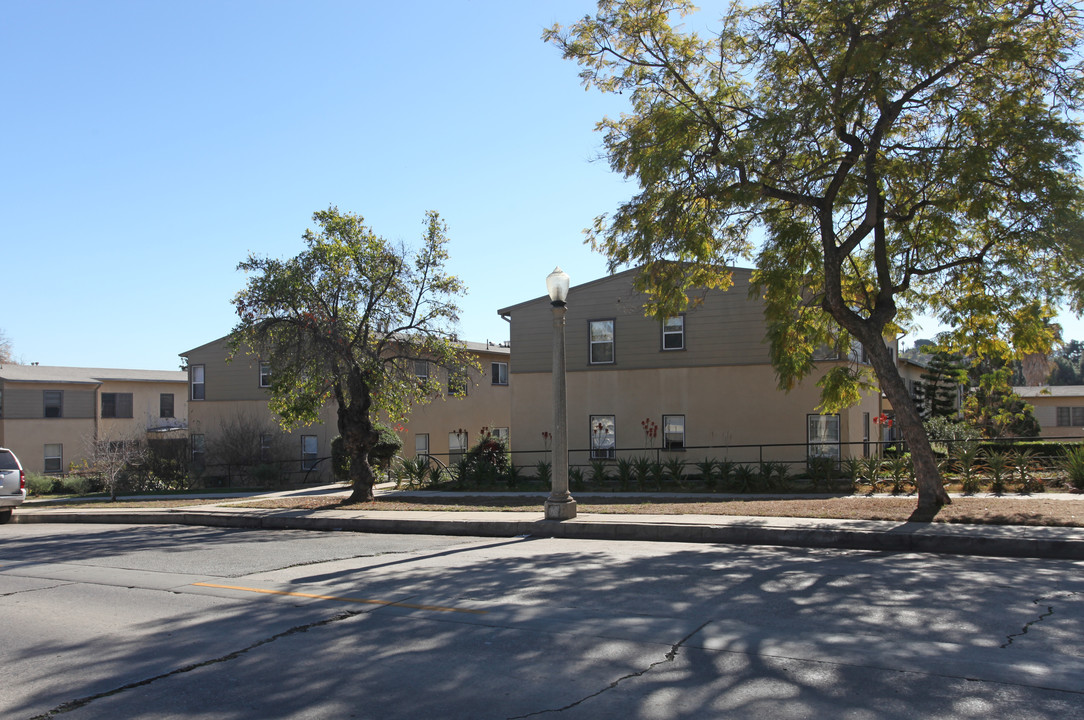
point(51, 416)
point(700, 383)
point(225, 397)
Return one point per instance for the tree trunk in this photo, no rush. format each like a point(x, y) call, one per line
point(359, 437)
point(931, 489)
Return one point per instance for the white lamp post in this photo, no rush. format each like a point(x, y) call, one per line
point(559, 505)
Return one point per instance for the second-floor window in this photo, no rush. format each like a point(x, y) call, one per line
point(421, 370)
point(673, 333)
point(116, 405)
point(499, 371)
point(196, 374)
point(457, 383)
point(54, 403)
point(265, 374)
point(165, 405)
point(602, 342)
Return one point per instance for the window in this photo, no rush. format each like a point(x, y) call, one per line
point(54, 458)
point(265, 447)
point(196, 374)
point(822, 436)
point(865, 434)
point(421, 370)
point(309, 451)
point(421, 444)
point(673, 333)
point(603, 437)
point(1070, 416)
point(499, 373)
point(457, 383)
point(54, 403)
point(265, 374)
point(199, 451)
point(602, 342)
point(165, 405)
point(673, 432)
point(116, 405)
point(457, 445)
point(501, 434)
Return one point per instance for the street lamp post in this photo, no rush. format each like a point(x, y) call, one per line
point(559, 505)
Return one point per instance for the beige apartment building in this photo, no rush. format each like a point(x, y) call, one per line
point(1058, 408)
point(230, 398)
point(51, 416)
point(699, 385)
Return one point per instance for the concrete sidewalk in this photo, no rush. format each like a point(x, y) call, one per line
point(959, 539)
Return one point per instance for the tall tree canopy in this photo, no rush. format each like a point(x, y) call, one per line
point(344, 321)
point(897, 156)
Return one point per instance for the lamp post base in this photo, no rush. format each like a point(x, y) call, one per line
point(560, 509)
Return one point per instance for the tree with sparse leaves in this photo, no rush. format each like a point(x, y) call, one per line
point(896, 157)
point(345, 321)
point(5, 349)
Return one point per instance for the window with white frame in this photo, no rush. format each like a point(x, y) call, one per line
point(421, 370)
point(54, 458)
point(603, 437)
point(116, 405)
point(421, 444)
point(265, 374)
point(196, 380)
point(1070, 416)
point(822, 436)
point(309, 451)
point(501, 434)
point(602, 342)
point(673, 333)
point(457, 445)
point(499, 372)
point(54, 403)
point(673, 432)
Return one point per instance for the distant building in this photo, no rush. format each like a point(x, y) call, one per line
point(51, 416)
point(227, 398)
point(1058, 408)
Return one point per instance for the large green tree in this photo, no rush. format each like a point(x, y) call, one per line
point(893, 156)
point(344, 321)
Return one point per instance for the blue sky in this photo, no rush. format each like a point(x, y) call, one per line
point(148, 147)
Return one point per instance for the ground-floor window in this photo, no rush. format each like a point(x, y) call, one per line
point(54, 458)
point(603, 437)
point(1070, 416)
point(310, 447)
point(822, 436)
point(501, 434)
point(673, 432)
point(457, 445)
point(199, 451)
point(421, 444)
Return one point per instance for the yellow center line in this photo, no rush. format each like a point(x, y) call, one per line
point(363, 601)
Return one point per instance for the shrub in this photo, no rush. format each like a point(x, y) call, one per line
point(998, 465)
point(707, 474)
point(1072, 463)
point(599, 472)
point(40, 484)
point(624, 473)
point(487, 461)
point(544, 472)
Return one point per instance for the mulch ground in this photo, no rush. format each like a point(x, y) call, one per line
point(1005, 510)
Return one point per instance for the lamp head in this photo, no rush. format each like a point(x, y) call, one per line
point(557, 286)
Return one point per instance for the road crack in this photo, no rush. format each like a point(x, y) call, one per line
point(1049, 611)
point(668, 658)
point(81, 702)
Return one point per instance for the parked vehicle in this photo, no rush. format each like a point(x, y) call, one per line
point(12, 484)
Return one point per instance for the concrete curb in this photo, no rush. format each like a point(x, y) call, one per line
point(887, 537)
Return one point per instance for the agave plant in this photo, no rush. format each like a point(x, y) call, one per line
point(675, 470)
point(998, 465)
point(1072, 464)
point(708, 476)
point(625, 472)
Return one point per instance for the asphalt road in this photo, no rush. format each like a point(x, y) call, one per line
point(190, 622)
